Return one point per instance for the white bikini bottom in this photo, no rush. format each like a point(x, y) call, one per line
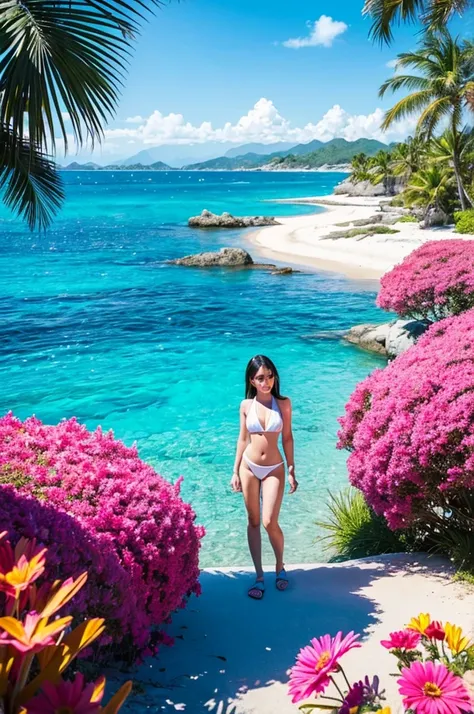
point(260, 472)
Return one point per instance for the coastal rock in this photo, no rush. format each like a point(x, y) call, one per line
point(389, 339)
point(284, 271)
point(434, 217)
point(402, 334)
point(367, 189)
point(227, 220)
point(360, 188)
point(230, 257)
point(369, 337)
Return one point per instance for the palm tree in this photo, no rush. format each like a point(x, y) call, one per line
point(433, 13)
point(406, 158)
point(57, 57)
point(442, 90)
point(381, 170)
point(360, 166)
point(429, 188)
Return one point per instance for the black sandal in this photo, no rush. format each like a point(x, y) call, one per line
point(257, 590)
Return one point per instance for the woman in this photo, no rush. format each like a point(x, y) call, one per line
point(259, 468)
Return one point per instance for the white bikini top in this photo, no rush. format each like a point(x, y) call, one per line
point(275, 422)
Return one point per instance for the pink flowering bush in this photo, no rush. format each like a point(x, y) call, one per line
point(137, 534)
point(410, 430)
point(433, 282)
point(435, 662)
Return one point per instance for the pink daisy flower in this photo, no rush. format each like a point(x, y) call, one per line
point(430, 688)
point(402, 640)
point(316, 662)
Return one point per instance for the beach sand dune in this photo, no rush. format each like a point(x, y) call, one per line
point(232, 654)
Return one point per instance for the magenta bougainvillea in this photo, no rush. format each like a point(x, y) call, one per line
point(433, 282)
point(410, 427)
point(115, 516)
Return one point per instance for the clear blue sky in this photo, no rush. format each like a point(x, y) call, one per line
point(212, 60)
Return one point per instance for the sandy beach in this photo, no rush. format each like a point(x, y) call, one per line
point(232, 654)
point(302, 240)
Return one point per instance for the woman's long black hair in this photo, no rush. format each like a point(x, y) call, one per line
point(252, 369)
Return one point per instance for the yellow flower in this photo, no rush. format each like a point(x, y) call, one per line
point(420, 623)
point(385, 710)
point(454, 637)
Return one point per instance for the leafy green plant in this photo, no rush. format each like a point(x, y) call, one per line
point(355, 531)
point(464, 221)
point(57, 56)
point(440, 89)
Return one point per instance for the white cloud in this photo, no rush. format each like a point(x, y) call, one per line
point(391, 64)
point(321, 32)
point(66, 116)
point(134, 120)
point(263, 123)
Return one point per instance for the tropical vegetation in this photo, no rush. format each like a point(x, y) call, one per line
point(409, 430)
point(37, 641)
point(434, 14)
point(434, 170)
point(104, 509)
point(434, 662)
point(58, 59)
point(435, 281)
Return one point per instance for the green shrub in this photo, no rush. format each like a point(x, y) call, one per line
point(355, 531)
point(408, 219)
point(464, 221)
point(397, 201)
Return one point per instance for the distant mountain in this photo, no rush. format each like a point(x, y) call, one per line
point(259, 149)
point(75, 166)
point(300, 149)
point(336, 151)
point(157, 166)
point(318, 153)
point(176, 155)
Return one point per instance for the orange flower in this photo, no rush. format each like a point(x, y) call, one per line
point(19, 568)
point(34, 634)
point(420, 623)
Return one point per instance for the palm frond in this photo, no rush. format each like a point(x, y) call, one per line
point(415, 102)
point(404, 81)
point(386, 13)
point(439, 12)
point(31, 184)
point(64, 55)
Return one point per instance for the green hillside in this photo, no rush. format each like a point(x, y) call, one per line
point(336, 151)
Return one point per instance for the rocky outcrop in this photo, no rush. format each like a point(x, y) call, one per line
point(434, 217)
point(361, 188)
point(230, 257)
point(388, 339)
point(227, 220)
point(369, 337)
point(368, 189)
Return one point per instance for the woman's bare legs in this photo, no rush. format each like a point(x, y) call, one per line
point(251, 491)
point(273, 487)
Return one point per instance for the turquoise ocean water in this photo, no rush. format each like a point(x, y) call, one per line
point(95, 325)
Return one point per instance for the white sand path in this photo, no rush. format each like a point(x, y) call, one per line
point(232, 653)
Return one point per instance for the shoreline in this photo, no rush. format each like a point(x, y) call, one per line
point(303, 239)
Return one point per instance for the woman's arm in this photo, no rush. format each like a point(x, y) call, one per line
point(242, 442)
point(288, 443)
